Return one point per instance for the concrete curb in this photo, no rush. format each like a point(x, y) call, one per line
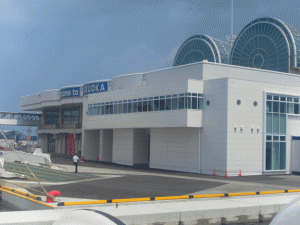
point(234, 210)
point(20, 192)
point(23, 202)
point(174, 197)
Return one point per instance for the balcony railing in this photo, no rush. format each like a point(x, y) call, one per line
point(60, 126)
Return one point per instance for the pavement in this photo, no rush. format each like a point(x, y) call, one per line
point(118, 182)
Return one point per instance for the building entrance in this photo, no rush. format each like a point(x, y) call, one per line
point(295, 154)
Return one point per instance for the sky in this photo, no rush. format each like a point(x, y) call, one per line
point(52, 44)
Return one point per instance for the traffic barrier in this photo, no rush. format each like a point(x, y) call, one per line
point(12, 192)
point(175, 197)
point(20, 192)
point(226, 175)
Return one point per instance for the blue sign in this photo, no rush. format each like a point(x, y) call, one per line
point(70, 92)
point(94, 88)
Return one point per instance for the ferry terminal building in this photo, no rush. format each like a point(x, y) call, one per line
point(221, 108)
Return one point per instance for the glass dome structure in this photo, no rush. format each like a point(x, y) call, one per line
point(267, 43)
point(199, 47)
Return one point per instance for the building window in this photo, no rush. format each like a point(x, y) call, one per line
point(188, 100)
point(51, 117)
point(277, 108)
point(174, 102)
point(72, 116)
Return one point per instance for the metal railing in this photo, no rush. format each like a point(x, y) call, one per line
point(20, 116)
point(60, 126)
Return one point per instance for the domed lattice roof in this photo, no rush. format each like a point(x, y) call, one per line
point(267, 43)
point(199, 47)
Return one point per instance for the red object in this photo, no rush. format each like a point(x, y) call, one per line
point(70, 144)
point(53, 193)
point(214, 174)
point(82, 158)
point(240, 173)
point(226, 174)
point(28, 138)
point(97, 159)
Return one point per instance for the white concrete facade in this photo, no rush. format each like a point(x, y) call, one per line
point(227, 134)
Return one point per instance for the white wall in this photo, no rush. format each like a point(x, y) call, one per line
point(123, 146)
point(293, 156)
point(175, 74)
point(217, 70)
point(175, 149)
point(49, 98)
point(171, 118)
point(214, 122)
point(51, 95)
point(245, 148)
point(127, 81)
point(30, 99)
point(141, 92)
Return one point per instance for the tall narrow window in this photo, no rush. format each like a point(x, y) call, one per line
point(145, 104)
point(140, 105)
point(168, 104)
point(162, 104)
point(174, 102)
point(129, 106)
point(150, 104)
point(181, 102)
point(156, 104)
point(134, 106)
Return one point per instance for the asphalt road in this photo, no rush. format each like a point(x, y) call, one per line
point(134, 183)
point(132, 186)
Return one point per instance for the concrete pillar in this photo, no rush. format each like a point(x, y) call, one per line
point(80, 114)
point(63, 143)
point(76, 143)
point(60, 116)
point(80, 143)
point(45, 143)
point(59, 143)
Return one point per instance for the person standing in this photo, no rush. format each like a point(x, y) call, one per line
point(75, 160)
